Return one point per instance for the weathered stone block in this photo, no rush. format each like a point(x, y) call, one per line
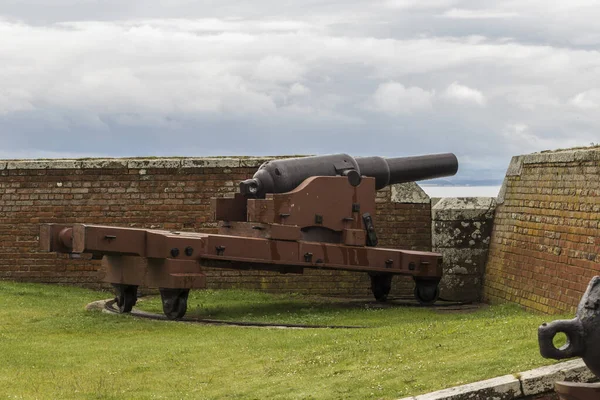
point(554, 157)
point(463, 261)
point(541, 380)
point(253, 162)
point(502, 388)
point(586, 155)
point(538, 382)
point(210, 163)
point(464, 208)
point(502, 193)
point(42, 164)
point(103, 163)
point(460, 287)
point(145, 163)
point(515, 166)
point(409, 192)
point(462, 233)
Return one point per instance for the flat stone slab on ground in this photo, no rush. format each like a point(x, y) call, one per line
point(502, 388)
point(507, 387)
point(541, 380)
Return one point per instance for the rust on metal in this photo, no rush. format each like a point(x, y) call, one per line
point(314, 212)
point(354, 237)
point(229, 208)
point(261, 210)
point(154, 272)
point(260, 230)
point(53, 238)
point(330, 197)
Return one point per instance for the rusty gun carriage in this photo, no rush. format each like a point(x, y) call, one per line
point(311, 212)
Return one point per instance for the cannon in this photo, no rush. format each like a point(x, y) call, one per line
point(281, 176)
point(311, 212)
point(583, 340)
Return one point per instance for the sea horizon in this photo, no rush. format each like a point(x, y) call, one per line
point(461, 191)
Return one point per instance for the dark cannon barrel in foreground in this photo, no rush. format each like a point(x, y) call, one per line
point(281, 176)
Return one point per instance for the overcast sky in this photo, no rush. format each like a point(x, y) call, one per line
point(483, 79)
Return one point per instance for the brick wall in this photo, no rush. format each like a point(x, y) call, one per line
point(545, 244)
point(164, 194)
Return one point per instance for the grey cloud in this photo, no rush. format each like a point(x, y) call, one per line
point(482, 79)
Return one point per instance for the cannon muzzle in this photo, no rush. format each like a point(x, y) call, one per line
point(281, 176)
point(390, 171)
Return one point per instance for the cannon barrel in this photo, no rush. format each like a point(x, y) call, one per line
point(390, 171)
point(280, 176)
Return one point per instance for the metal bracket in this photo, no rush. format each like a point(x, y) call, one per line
point(370, 228)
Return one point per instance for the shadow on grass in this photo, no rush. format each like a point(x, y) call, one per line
point(300, 309)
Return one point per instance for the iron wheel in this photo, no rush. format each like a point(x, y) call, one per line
point(126, 296)
point(381, 284)
point(174, 302)
point(427, 293)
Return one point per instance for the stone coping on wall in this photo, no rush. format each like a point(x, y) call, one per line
point(409, 192)
point(516, 386)
point(560, 156)
point(139, 163)
point(463, 208)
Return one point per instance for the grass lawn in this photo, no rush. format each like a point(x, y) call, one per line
point(51, 348)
